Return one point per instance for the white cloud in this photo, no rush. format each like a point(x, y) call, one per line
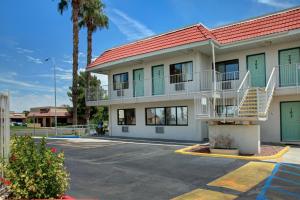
point(23, 84)
point(34, 60)
point(63, 70)
point(23, 50)
point(20, 103)
point(277, 3)
point(130, 27)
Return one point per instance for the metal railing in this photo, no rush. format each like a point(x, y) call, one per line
point(289, 75)
point(62, 131)
point(165, 86)
point(243, 89)
point(4, 130)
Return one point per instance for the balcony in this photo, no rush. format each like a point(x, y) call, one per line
point(288, 79)
point(179, 86)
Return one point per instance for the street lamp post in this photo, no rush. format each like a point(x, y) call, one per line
point(54, 74)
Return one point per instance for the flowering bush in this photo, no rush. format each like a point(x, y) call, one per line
point(34, 171)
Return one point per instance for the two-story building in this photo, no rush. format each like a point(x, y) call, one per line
point(195, 81)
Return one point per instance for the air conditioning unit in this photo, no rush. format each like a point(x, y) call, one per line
point(159, 129)
point(120, 93)
point(179, 86)
point(125, 129)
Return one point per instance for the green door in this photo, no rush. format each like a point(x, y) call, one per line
point(290, 121)
point(158, 81)
point(138, 82)
point(288, 67)
point(257, 66)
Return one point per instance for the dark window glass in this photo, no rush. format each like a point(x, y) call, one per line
point(181, 72)
point(126, 117)
point(167, 116)
point(182, 116)
point(229, 70)
point(150, 116)
point(171, 115)
point(160, 116)
point(120, 81)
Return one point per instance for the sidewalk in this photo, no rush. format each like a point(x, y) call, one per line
point(292, 156)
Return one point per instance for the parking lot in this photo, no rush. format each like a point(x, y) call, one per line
point(116, 170)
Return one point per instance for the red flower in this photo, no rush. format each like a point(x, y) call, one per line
point(53, 150)
point(7, 182)
point(13, 158)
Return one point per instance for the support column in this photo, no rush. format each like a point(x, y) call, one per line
point(215, 75)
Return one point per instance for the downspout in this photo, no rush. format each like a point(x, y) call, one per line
point(215, 75)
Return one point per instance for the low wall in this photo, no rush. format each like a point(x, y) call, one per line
point(246, 137)
point(32, 125)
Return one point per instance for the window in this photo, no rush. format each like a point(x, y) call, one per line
point(181, 72)
point(181, 115)
point(120, 81)
point(126, 117)
point(170, 116)
point(229, 69)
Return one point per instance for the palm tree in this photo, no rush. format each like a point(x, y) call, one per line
point(92, 17)
point(62, 6)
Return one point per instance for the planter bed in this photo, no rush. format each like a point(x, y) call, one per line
point(266, 150)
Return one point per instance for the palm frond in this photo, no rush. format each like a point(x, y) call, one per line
point(62, 6)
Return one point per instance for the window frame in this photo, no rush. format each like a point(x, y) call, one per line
point(126, 124)
point(226, 62)
point(192, 75)
point(165, 114)
point(123, 86)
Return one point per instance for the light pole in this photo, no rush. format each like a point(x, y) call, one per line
point(54, 74)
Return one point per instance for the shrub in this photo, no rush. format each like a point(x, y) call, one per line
point(35, 171)
point(222, 142)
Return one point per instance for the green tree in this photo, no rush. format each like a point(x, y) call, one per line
point(92, 17)
point(96, 113)
point(62, 6)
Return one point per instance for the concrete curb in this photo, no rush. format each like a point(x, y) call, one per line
point(185, 151)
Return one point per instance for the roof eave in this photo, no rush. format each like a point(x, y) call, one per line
point(146, 55)
point(260, 39)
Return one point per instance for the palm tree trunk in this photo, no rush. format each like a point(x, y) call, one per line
point(75, 12)
point(89, 60)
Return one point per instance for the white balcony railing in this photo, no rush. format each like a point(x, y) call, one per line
point(164, 86)
point(289, 75)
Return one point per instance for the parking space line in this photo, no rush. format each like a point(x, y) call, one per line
point(290, 165)
point(202, 194)
point(245, 177)
point(285, 192)
point(287, 180)
point(289, 172)
point(267, 185)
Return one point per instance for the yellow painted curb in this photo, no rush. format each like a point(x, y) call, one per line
point(186, 151)
point(202, 194)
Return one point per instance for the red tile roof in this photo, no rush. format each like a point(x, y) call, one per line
point(280, 22)
point(262, 26)
point(49, 114)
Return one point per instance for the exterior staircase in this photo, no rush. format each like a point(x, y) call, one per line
point(251, 104)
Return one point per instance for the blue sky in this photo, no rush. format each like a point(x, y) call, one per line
point(33, 30)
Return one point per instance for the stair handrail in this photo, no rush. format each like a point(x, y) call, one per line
point(244, 81)
point(269, 90)
point(271, 79)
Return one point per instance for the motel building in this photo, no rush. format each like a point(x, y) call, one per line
point(194, 83)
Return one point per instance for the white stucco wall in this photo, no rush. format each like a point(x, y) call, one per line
point(192, 132)
point(271, 55)
point(200, 62)
point(270, 129)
